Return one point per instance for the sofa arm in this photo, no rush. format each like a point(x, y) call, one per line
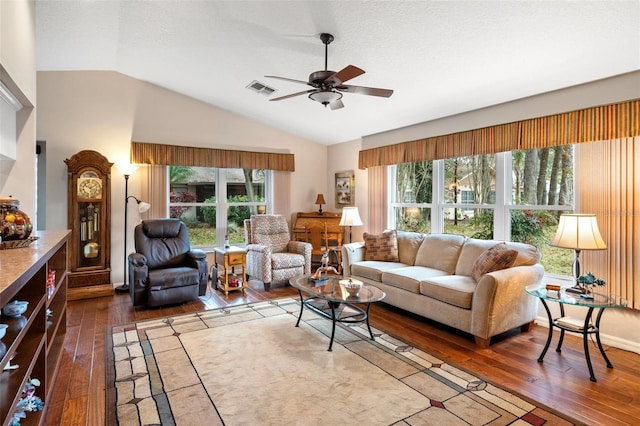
point(501, 303)
point(137, 259)
point(304, 249)
point(351, 253)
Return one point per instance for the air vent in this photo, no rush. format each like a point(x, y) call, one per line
point(261, 88)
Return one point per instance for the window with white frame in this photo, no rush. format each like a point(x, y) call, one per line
point(197, 195)
point(514, 196)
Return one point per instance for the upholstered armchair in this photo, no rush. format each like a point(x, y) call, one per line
point(271, 255)
point(164, 269)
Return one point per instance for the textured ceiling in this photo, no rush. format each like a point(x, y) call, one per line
point(440, 57)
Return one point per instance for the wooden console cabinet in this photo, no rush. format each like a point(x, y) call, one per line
point(34, 341)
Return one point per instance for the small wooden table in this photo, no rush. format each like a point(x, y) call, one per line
point(227, 260)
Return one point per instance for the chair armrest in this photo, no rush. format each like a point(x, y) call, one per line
point(138, 278)
point(300, 247)
point(259, 248)
point(197, 254)
point(137, 259)
point(351, 253)
point(259, 262)
point(197, 259)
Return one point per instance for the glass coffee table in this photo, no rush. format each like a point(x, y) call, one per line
point(584, 327)
point(331, 300)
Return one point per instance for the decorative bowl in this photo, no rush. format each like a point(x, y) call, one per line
point(352, 286)
point(3, 330)
point(15, 308)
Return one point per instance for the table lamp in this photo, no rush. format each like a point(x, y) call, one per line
point(578, 232)
point(350, 217)
point(320, 201)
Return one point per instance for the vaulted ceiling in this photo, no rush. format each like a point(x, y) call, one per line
point(440, 57)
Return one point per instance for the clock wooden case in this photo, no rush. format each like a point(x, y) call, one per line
point(89, 210)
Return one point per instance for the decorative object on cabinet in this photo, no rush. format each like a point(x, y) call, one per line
point(15, 225)
point(320, 201)
point(127, 170)
point(345, 189)
point(578, 232)
point(89, 218)
point(15, 308)
point(350, 218)
point(33, 345)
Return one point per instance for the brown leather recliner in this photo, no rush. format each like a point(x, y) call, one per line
point(164, 269)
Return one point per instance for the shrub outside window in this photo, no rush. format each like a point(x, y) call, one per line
point(197, 194)
point(515, 196)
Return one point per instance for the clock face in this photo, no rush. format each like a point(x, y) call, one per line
point(90, 187)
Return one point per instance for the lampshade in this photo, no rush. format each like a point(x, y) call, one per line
point(320, 199)
point(350, 217)
point(143, 207)
point(325, 97)
point(578, 232)
point(127, 169)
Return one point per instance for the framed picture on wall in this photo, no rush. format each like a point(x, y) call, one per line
point(345, 189)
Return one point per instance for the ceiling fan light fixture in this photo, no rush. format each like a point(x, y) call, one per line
point(325, 97)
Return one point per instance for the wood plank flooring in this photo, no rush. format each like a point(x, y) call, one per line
point(561, 382)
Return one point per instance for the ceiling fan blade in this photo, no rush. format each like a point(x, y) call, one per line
point(347, 73)
point(292, 95)
point(288, 79)
point(337, 104)
point(361, 90)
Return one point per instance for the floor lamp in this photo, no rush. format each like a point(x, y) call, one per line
point(578, 232)
point(350, 217)
point(127, 170)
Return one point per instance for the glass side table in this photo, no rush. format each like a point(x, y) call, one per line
point(585, 327)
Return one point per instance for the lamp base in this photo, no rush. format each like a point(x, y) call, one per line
point(124, 288)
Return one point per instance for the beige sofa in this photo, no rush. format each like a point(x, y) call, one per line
point(432, 277)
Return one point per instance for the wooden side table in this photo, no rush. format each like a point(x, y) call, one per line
point(227, 260)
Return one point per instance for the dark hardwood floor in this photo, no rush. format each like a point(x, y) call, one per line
point(561, 382)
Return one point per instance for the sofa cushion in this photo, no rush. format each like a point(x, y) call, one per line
point(373, 269)
point(286, 260)
point(493, 259)
point(408, 245)
point(409, 278)
point(381, 247)
point(452, 289)
point(440, 251)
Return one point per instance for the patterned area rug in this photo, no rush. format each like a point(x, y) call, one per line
point(249, 365)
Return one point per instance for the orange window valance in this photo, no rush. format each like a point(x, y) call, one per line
point(606, 122)
point(176, 155)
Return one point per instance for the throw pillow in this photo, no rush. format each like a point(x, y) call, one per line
point(493, 259)
point(381, 247)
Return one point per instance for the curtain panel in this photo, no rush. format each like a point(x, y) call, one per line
point(606, 122)
point(609, 186)
point(158, 154)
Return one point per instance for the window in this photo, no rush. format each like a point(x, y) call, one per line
point(515, 196)
point(198, 194)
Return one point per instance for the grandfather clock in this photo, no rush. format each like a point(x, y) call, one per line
point(89, 196)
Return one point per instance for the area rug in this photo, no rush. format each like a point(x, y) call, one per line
point(250, 365)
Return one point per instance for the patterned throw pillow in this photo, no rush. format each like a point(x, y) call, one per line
point(493, 259)
point(381, 247)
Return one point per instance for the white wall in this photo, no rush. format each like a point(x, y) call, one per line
point(344, 158)
point(105, 111)
point(17, 73)
point(619, 327)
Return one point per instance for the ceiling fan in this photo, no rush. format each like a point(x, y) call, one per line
point(328, 85)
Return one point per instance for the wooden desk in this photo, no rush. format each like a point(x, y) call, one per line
point(334, 231)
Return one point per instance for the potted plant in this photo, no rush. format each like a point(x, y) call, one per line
point(584, 282)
